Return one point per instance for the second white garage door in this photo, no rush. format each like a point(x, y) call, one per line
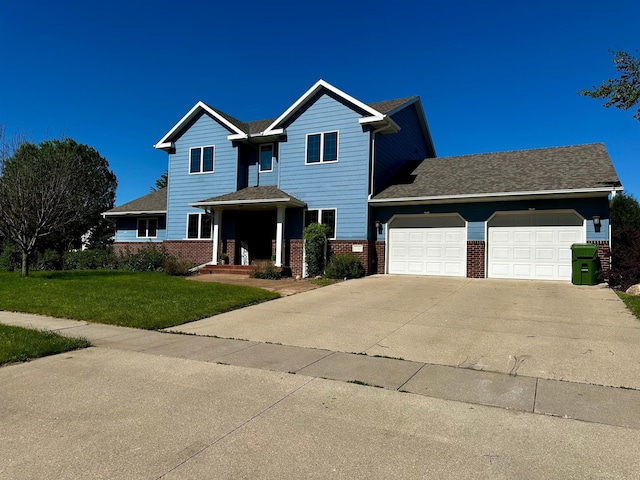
point(428, 246)
point(533, 252)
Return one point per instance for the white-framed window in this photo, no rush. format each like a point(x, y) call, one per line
point(199, 225)
point(147, 228)
point(266, 157)
point(322, 147)
point(324, 216)
point(202, 159)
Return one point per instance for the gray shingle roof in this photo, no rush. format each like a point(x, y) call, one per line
point(258, 126)
point(577, 167)
point(267, 192)
point(153, 202)
point(389, 105)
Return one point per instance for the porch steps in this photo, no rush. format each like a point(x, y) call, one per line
point(233, 269)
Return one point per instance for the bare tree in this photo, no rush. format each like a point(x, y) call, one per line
point(49, 189)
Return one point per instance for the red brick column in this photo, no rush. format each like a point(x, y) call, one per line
point(604, 254)
point(475, 259)
point(380, 251)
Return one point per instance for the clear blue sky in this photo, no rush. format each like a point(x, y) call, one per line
point(492, 75)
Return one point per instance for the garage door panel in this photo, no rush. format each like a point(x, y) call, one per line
point(532, 252)
point(427, 250)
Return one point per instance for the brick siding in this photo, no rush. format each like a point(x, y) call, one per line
point(475, 259)
point(604, 254)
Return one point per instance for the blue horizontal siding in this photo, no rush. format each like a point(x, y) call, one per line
point(342, 185)
point(185, 188)
point(393, 150)
point(127, 227)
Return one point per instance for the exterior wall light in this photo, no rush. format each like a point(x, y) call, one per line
point(596, 223)
point(378, 227)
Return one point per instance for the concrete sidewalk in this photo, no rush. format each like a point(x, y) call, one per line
point(591, 403)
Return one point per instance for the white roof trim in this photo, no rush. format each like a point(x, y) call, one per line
point(134, 212)
point(244, 136)
point(320, 84)
point(490, 196)
point(246, 202)
point(191, 114)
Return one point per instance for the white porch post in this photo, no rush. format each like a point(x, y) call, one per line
point(217, 217)
point(279, 235)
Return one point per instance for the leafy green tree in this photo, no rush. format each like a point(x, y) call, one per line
point(623, 92)
point(53, 192)
point(161, 182)
point(625, 241)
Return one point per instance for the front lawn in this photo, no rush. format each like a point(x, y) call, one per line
point(141, 300)
point(632, 302)
point(19, 344)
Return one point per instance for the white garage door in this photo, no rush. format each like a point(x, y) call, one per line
point(428, 246)
point(533, 252)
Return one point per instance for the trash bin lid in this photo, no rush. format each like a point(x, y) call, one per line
point(582, 250)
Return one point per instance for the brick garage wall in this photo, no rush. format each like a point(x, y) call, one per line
point(604, 254)
point(199, 251)
point(368, 256)
point(475, 259)
point(293, 256)
point(380, 249)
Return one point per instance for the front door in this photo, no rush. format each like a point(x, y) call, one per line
point(256, 231)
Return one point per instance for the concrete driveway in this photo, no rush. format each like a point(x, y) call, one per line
point(551, 330)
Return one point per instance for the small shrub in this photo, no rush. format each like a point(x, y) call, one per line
point(268, 272)
point(178, 267)
point(345, 265)
point(47, 260)
point(90, 259)
point(149, 258)
point(315, 246)
point(10, 257)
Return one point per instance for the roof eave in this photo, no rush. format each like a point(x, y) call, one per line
point(164, 142)
point(489, 197)
point(319, 85)
point(292, 202)
point(134, 212)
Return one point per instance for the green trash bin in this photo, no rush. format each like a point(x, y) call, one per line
point(584, 263)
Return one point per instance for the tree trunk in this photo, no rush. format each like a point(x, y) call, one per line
point(25, 264)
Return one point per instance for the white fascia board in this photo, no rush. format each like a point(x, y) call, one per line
point(237, 136)
point(310, 93)
point(385, 119)
point(195, 110)
point(146, 212)
point(244, 136)
point(487, 197)
point(246, 202)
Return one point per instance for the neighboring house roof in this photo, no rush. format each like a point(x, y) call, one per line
point(264, 195)
point(574, 169)
point(154, 202)
point(375, 114)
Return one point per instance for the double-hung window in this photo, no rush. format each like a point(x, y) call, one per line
point(322, 147)
point(201, 159)
point(147, 228)
point(324, 216)
point(267, 156)
point(199, 225)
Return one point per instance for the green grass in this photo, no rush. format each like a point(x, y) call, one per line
point(19, 344)
point(632, 302)
point(324, 282)
point(140, 300)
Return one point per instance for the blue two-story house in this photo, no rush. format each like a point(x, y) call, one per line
point(370, 173)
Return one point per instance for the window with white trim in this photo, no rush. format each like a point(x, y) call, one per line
point(324, 216)
point(201, 159)
point(199, 225)
point(147, 228)
point(266, 157)
point(322, 147)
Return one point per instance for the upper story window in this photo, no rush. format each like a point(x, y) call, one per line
point(147, 228)
point(267, 157)
point(201, 159)
point(324, 216)
point(199, 225)
point(322, 147)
